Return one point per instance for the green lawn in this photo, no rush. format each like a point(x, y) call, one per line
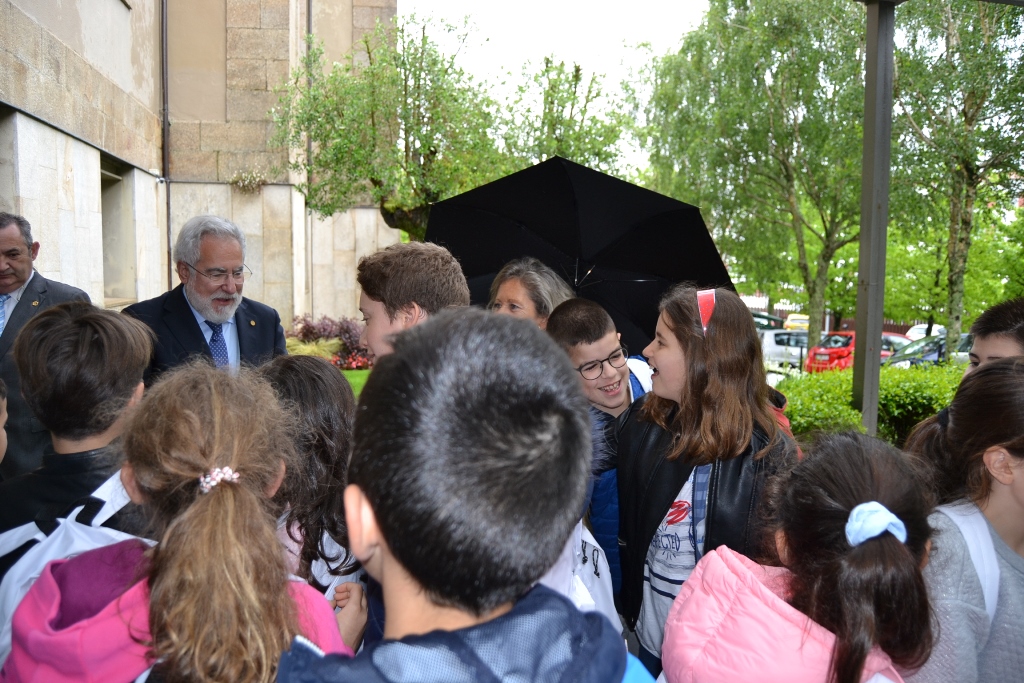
point(357, 378)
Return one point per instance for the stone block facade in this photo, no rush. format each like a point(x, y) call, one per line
point(57, 186)
point(81, 143)
point(41, 75)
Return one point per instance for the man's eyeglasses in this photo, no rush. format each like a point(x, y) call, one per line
point(593, 369)
point(219, 276)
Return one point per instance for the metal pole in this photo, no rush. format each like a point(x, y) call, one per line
point(165, 128)
point(874, 207)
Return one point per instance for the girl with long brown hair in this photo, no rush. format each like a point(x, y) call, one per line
point(976, 570)
point(313, 527)
point(694, 454)
point(212, 600)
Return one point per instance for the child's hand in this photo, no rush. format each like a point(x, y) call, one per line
point(351, 603)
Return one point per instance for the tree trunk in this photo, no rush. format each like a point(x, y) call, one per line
point(413, 221)
point(961, 216)
point(816, 300)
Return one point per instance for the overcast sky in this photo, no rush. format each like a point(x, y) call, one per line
point(598, 35)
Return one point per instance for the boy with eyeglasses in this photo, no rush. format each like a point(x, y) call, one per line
point(610, 381)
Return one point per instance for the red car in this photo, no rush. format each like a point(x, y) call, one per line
point(835, 352)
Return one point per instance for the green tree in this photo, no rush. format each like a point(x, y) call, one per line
point(560, 112)
point(1015, 258)
point(960, 106)
point(757, 120)
point(405, 127)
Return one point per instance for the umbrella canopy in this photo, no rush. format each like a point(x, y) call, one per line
point(614, 242)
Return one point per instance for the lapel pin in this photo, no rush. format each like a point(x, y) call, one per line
point(35, 303)
point(253, 323)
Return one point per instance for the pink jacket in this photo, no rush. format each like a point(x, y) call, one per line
point(731, 622)
point(105, 646)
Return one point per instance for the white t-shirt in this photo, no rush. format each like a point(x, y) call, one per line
point(670, 561)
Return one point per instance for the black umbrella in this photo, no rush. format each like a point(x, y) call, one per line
point(614, 242)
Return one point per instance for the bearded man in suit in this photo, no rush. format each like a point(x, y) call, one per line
point(23, 294)
point(206, 315)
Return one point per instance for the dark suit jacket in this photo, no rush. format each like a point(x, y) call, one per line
point(26, 436)
point(179, 337)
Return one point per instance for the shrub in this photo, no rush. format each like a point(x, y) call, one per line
point(907, 396)
point(309, 330)
point(335, 340)
point(821, 401)
point(324, 348)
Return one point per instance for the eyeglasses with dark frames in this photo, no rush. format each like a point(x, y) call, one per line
point(219, 276)
point(594, 368)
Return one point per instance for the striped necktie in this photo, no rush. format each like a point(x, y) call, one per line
point(3, 311)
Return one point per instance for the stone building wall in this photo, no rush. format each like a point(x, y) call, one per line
point(91, 74)
point(81, 142)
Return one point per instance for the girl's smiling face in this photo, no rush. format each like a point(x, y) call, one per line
point(665, 356)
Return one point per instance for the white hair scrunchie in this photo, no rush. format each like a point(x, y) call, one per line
point(869, 520)
point(216, 476)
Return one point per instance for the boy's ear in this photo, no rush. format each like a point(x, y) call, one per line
point(999, 464)
point(364, 537)
point(412, 315)
point(136, 395)
point(131, 485)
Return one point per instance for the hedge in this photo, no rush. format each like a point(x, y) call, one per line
point(821, 401)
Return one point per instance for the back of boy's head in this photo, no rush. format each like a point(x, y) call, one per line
point(472, 445)
point(79, 365)
point(871, 593)
point(579, 321)
point(415, 272)
point(1006, 319)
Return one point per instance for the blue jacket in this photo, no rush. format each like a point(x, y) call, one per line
point(604, 500)
point(543, 638)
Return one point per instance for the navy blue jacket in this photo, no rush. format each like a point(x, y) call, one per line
point(179, 337)
point(543, 638)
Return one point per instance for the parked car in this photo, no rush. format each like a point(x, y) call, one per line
point(785, 347)
point(920, 331)
point(796, 321)
point(930, 350)
point(835, 352)
point(764, 321)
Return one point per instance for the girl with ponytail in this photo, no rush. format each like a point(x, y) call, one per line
point(212, 600)
point(976, 571)
point(848, 604)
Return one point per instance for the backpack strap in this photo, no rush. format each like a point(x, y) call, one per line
point(973, 527)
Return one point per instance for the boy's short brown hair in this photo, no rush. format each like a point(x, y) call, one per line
point(1004, 319)
point(79, 366)
point(416, 272)
point(579, 321)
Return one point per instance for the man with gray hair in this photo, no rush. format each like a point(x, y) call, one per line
point(23, 294)
point(206, 315)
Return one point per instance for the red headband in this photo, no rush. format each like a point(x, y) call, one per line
point(706, 304)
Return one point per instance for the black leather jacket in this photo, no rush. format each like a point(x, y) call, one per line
point(648, 484)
